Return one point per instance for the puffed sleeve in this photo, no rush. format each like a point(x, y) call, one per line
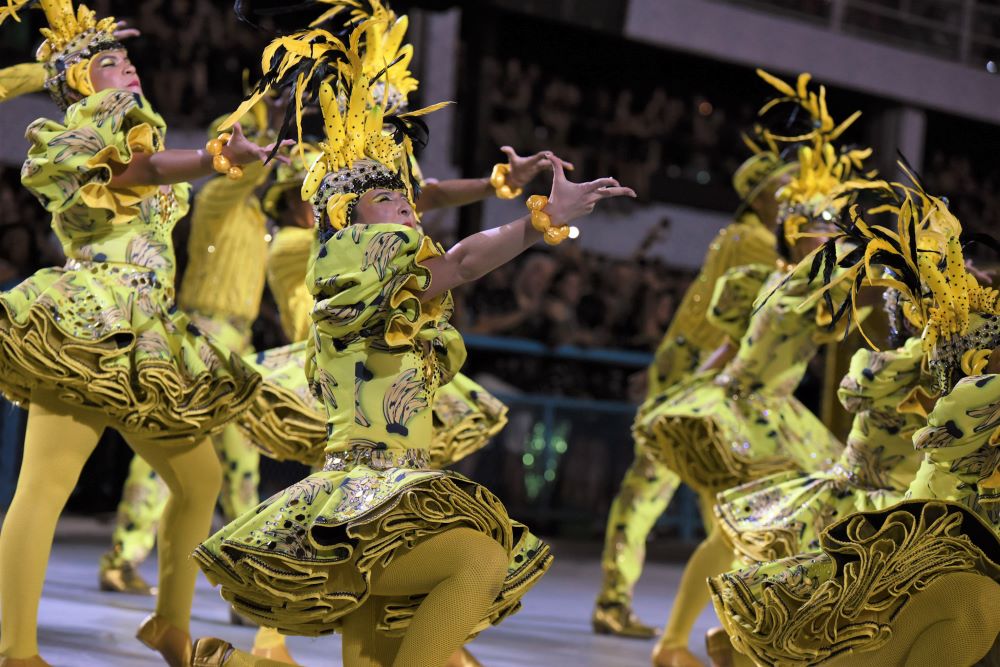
point(367, 282)
point(961, 457)
point(70, 165)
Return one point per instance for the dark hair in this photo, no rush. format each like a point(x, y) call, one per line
point(784, 250)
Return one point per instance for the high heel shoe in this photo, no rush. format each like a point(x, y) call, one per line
point(719, 648)
point(674, 656)
point(123, 579)
point(619, 619)
point(172, 643)
point(211, 652)
point(33, 661)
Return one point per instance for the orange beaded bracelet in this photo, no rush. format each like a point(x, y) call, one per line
point(541, 221)
point(498, 179)
point(220, 162)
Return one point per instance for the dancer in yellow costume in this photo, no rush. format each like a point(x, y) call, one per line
point(221, 293)
point(466, 416)
point(406, 560)
point(916, 583)
point(648, 485)
point(738, 420)
point(99, 343)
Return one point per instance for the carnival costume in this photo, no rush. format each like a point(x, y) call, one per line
point(100, 342)
point(915, 583)
point(735, 425)
point(221, 292)
point(648, 485)
point(352, 547)
point(466, 416)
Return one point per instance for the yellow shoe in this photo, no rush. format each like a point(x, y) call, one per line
point(719, 648)
point(210, 652)
point(666, 656)
point(619, 619)
point(278, 653)
point(124, 579)
point(33, 661)
point(170, 641)
point(462, 658)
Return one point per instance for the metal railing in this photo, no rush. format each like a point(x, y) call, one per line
point(966, 31)
point(561, 460)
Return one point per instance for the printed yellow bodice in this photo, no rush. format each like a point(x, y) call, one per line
point(70, 166)
point(379, 352)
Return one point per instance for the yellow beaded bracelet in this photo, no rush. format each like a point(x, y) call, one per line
point(498, 179)
point(541, 221)
point(220, 162)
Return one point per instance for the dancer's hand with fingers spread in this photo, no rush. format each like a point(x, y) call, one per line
point(124, 31)
point(569, 201)
point(241, 150)
point(523, 170)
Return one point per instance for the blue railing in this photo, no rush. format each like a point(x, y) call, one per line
point(547, 441)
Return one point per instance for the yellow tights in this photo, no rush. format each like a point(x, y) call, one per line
point(459, 571)
point(59, 439)
point(712, 557)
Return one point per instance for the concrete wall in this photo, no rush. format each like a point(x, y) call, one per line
point(735, 34)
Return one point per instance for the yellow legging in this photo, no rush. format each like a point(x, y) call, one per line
point(712, 557)
point(460, 571)
point(59, 439)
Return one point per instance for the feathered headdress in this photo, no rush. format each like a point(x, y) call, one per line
point(365, 147)
point(822, 167)
point(384, 55)
point(71, 40)
point(924, 261)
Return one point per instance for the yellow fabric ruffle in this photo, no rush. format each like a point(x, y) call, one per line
point(70, 164)
point(108, 338)
point(784, 514)
point(302, 560)
point(807, 609)
point(718, 430)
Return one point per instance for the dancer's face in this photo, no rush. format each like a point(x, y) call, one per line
point(384, 207)
point(113, 69)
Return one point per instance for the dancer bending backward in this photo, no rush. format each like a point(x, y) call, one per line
point(99, 343)
point(648, 485)
point(739, 420)
point(915, 583)
point(406, 560)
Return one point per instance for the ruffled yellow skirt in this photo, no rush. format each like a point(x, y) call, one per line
point(303, 559)
point(715, 441)
point(289, 423)
point(107, 336)
point(811, 608)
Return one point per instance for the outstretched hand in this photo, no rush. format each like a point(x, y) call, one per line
point(569, 201)
point(241, 150)
point(523, 170)
point(123, 31)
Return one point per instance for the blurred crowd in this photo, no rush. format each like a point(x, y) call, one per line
point(571, 297)
point(973, 190)
point(645, 136)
